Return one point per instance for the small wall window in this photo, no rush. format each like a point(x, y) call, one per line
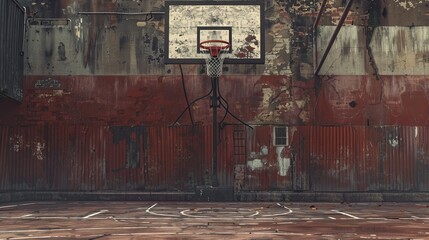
point(281, 136)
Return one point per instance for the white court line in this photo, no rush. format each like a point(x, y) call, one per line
point(332, 218)
point(24, 216)
point(280, 214)
point(16, 205)
point(189, 215)
point(96, 213)
point(255, 214)
point(184, 213)
point(159, 214)
point(346, 214)
point(149, 208)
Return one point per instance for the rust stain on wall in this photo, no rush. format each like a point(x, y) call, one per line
point(16, 143)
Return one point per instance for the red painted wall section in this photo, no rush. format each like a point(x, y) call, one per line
point(93, 158)
point(361, 100)
point(157, 100)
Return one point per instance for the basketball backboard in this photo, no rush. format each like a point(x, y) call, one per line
point(188, 23)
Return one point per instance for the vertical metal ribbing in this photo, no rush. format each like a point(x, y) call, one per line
point(12, 20)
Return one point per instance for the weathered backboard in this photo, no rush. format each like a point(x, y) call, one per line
point(241, 23)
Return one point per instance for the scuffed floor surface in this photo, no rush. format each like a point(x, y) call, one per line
point(179, 220)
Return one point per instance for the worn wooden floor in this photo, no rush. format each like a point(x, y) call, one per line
point(190, 220)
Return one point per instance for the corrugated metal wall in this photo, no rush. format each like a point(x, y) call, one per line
point(268, 175)
point(11, 49)
point(89, 158)
point(346, 158)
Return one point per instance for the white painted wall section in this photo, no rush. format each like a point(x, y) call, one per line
point(401, 50)
point(347, 55)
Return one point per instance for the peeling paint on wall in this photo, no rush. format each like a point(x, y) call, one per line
point(38, 150)
point(264, 150)
point(50, 97)
point(394, 141)
point(255, 164)
point(283, 162)
point(16, 142)
point(410, 4)
point(78, 28)
point(277, 46)
point(239, 176)
point(281, 102)
point(266, 98)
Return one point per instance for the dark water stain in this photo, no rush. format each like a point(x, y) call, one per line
point(134, 137)
point(122, 42)
point(62, 52)
point(155, 45)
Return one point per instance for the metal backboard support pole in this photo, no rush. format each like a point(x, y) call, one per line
point(215, 105)
point(218, 28)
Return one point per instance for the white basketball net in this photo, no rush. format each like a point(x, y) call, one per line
point(216, 51)
point(214, 65)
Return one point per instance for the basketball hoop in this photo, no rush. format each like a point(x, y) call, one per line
point(214, 61)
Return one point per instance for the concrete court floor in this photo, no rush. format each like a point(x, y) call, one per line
point(198, 220)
